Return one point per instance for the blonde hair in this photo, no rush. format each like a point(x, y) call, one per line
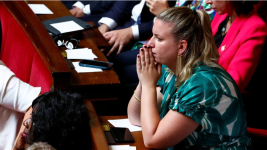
point(195, 28)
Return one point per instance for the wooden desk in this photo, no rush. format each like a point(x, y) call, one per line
point(98, 137)
point(96, 85)
point(138, 137)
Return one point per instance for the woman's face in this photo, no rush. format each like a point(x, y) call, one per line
point(164, 47)
point(27, 133)
point(220, 6)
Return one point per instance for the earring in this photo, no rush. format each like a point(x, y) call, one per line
point(179, 64)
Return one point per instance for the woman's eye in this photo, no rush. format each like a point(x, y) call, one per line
point(159, 39)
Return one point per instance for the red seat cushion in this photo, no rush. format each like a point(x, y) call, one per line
point(20, 55)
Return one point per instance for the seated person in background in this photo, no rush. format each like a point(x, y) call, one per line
point(130, 21)
point(190, 102)
point(40, 146)
point(125, 63)
point(83, 8)
point(60, 119)
point(239, 34)
point(16, 97)
point(92, 9)
point(158, 6)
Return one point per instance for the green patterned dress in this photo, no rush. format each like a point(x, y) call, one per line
point(212, 99)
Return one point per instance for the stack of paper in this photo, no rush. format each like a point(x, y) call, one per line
point(122, 147)
point(67, 26)
point(40, 9)
point(125, 123)
point(81, 53)
point(80, 69)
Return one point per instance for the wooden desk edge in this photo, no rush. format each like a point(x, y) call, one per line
point(98, 137)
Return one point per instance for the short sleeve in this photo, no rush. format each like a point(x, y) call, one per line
point(200, 98)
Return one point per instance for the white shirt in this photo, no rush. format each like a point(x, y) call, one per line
point(136, 11)
point(86, 9)
point(16, 97)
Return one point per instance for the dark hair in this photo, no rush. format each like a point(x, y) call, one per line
point(61, 119)
point(243, 7)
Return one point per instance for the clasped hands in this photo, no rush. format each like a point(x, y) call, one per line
point(148, 70)
point(77, 12)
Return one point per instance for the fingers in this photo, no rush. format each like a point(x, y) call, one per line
point(72, 11)
point(147, 58)
point(142, 55)
point(114, 47)
point(107, 35)
point(151, 57)
point(120, 48)
point(138, 63)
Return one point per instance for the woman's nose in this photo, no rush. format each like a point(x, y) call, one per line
point(150, 42)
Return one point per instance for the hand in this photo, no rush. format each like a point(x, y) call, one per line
point(157, 6)
point(103, 28)
point(148, 72)
point(77, 12)
point(118, 38)
point(20, 144)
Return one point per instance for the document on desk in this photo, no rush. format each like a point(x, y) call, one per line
point(40, 9)
point(121, 147)
point(82, 53)
point(67, 26)
point(125, 123)
point(80, 69)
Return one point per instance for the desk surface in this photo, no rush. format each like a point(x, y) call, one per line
point(96, 82)
point(138, 137)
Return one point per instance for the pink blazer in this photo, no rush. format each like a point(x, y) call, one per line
point(241, 48)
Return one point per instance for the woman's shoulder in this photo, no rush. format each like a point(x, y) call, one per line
point(206, 77)
point(253, 20)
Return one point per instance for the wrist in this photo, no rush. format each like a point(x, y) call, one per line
point(105, 27)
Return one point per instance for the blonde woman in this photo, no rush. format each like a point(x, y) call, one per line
point(188, 102)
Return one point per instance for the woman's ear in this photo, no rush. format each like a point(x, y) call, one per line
point(182, 47)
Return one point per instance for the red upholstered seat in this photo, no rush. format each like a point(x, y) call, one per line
point(20, 55)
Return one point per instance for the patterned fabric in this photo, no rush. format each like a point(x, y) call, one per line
point(197, 4)
point(212, 99)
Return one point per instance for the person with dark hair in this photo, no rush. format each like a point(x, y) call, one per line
point(60, 119)
point(239, 34)
point(184, 99)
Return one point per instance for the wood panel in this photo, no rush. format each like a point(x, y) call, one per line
point(98, 137)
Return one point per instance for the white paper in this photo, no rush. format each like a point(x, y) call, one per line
point(83, 53)
point(119, 147)
point(67, 26)
point(125, 123)
point(133, 147)
point(40, 9)
point(80, 69)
